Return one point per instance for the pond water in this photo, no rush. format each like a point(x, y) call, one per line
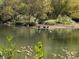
point(58, 43)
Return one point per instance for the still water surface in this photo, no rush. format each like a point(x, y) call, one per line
point(55, 41)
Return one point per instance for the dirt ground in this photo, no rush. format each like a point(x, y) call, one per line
point(58, 26)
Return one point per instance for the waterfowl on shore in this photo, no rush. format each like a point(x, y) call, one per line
point(42, 27)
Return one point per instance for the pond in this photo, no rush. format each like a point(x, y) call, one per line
point(58, 43)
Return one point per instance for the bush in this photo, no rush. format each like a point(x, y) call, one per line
point(60, 20)
point(25, 20)
point(64, 20)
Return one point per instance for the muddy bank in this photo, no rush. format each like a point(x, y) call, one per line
point(58, 26)
point(42, 26)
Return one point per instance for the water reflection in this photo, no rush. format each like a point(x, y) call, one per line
point(55, 41)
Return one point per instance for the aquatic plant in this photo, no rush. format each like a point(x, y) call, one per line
point(11, 47)
point(9, 51)
point(39, 51)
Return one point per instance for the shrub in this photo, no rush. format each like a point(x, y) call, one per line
point(64, 20)
point(60, 20)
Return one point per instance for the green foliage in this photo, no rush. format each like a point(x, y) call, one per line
point(39, 50)
point(65, 20)
point(60, 20)
point(11, 10)
point(59, 7)
point(9, 51)
point(74, 8)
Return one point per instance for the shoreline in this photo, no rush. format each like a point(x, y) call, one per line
point(57, 26)
point(50, 27)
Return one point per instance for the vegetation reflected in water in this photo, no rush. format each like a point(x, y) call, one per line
point(23, 43)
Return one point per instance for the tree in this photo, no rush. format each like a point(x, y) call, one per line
point(74, 8)
point(59, 7)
